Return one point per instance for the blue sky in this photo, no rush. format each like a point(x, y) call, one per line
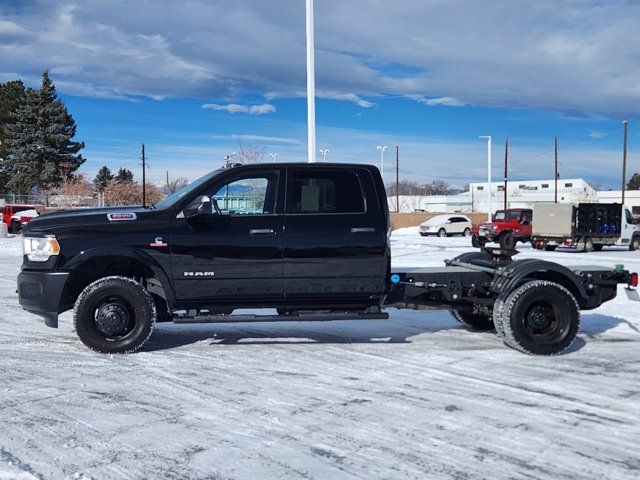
point(189, 78)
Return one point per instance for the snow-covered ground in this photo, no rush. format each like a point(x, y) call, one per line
point(416, 396)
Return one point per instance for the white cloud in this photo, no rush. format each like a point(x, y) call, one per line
point(596, 135)
point(446, 101)
point(574, 57)
point(236, 108)
point(260, 138)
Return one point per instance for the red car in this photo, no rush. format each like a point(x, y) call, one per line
point(8, 211)
point(507, 228)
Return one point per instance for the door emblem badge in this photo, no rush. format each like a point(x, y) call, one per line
point(158, 243)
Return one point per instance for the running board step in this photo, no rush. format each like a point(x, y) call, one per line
point(315, 317)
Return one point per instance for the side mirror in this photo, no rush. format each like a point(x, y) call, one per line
point(205, 208)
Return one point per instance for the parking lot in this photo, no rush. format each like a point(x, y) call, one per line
point(415, 396)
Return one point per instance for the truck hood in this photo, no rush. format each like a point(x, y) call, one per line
point(88, 216)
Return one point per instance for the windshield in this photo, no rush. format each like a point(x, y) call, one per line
point(507, 215)
point(186, 190)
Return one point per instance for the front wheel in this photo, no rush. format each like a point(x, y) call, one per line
point(476, 242)
point(467, 232)
point(114, 315)
point(507, 241)
point(442, 232)
point(540, 318)
point(473, 321)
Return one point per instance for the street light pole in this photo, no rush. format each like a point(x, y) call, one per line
point(311, 86)
point(274, 156)
point(488, 139)
point(324, 154)
point(381, 149)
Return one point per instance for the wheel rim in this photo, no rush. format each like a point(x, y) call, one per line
point(442, 233)
point(467, 233)
point(545, 322)
point(114, 318)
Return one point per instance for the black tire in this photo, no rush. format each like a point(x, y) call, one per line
point(114, 315)
point(442, 232)
point(15, 227)
point(598, 247)
point(635, 243)
point(467, 232)
point(507, 241)
point(540, 318)
point(549, 248)
point(476, 242)
point(473, 321)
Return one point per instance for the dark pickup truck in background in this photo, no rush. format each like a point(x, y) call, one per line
point(308, 240)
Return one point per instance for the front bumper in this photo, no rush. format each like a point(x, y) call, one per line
point(39, 292)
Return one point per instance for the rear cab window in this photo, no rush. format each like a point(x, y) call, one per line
point(324, 191)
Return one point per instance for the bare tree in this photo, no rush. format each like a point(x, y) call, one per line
point(250, 153)
point(130, 193)
point(172, 186)
point(75, 191)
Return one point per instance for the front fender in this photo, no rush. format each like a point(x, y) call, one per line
point(115, 253)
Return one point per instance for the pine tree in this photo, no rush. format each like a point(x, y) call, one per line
point(634, 183)
point(12, 95)
point(102, 178)
point(124, 175)
point(41, 150)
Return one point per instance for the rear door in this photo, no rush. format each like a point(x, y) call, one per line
point(335, 241)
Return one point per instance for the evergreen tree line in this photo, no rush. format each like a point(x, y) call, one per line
point(38, 153)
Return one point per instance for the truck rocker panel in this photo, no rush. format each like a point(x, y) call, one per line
point(311, 241)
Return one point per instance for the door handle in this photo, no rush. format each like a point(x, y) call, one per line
point(261, 231)
point(363, 230)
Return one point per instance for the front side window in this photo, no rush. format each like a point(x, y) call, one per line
point(247, 195)
point(324, 191)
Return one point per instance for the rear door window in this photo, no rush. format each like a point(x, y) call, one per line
point(324, 191)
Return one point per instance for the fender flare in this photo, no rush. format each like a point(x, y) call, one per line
point(518, 271)
point(129, 253)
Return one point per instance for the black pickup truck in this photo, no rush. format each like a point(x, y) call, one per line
point(308, 240)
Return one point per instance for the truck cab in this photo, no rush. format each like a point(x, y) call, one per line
point(507, 227)
point(287, 236)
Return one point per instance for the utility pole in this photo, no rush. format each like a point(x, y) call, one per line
point(506, 160)
point(144, 177)
point(555, 163)
point(397, 178)
point(311, 85)
point(167, 171)
point(624, 160)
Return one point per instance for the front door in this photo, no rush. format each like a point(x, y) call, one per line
point(234, 254)
point(335, 240)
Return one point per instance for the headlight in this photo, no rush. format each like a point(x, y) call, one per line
point(40, 249)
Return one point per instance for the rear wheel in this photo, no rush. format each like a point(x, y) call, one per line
point(507, 241)
point(588, 245)
point(550, 248)
point(635, 243)
point(442, 232)
point(114, 315)
point(467, 232)
point(15, 227)
point(597, 248)
point(540, 318)
point(473, 321)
